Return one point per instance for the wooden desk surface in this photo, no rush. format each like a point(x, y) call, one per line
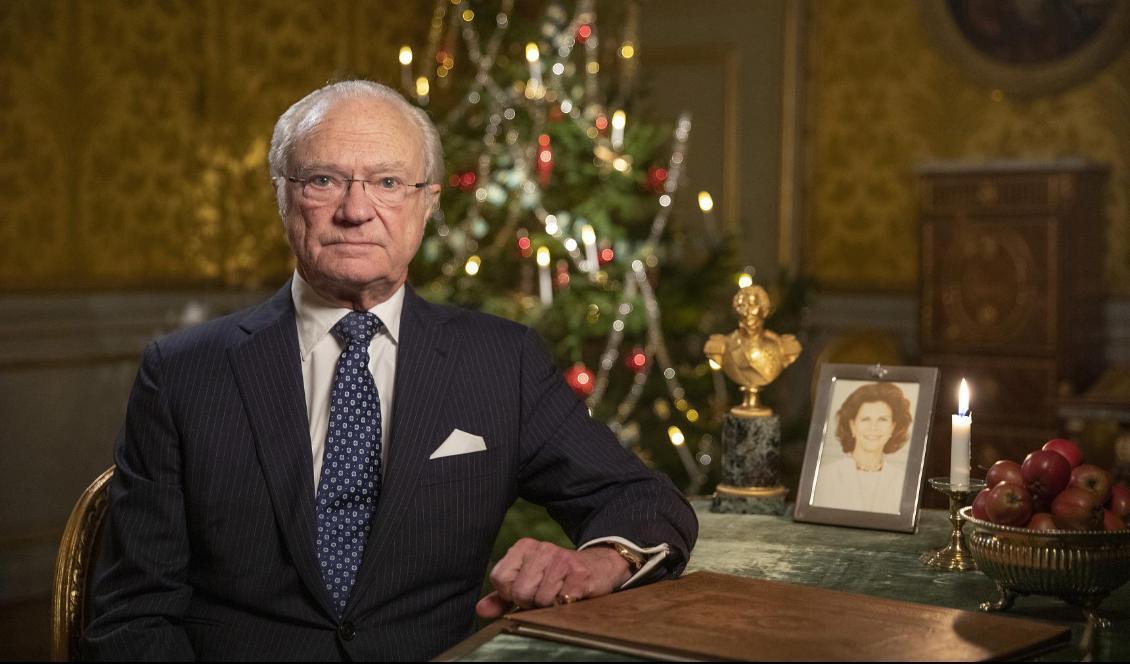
point(859, 561)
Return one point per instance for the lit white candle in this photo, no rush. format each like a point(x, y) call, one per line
point(406, 67)
point(962, 423)
point(533, 57)
point(619, 120)
point(545, 284)
point(588, 237)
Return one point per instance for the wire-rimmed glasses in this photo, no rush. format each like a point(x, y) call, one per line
point(330, 188)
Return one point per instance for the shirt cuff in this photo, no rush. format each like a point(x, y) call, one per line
point(655, 555)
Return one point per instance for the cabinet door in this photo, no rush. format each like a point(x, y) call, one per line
point(989, 285)
point(1006, 391)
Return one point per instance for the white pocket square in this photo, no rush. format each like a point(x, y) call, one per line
point(460, 442)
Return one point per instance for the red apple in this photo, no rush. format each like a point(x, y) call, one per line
point(1041, 521)
point(1068, 449)
point(979, 505)
point(1077, 509)
point(1004, 471)
point(1045, 473)
point(1093, 479)
point(1009, 504)
point(1120, 500)
point(1112, 521)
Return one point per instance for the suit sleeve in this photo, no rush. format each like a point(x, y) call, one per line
point(142, 592)
point(588, 482)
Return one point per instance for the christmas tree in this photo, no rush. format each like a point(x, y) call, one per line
point(556, 215)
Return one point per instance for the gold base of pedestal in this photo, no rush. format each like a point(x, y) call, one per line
point(750, 491)
point(948, 557)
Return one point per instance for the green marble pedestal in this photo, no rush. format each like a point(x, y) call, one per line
point(751, 461)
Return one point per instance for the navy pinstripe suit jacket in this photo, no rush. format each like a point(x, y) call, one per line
point(211, 548)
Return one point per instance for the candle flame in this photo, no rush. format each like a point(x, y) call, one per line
point(705, 201)
point(405, 55)
point(422, 87)
point(588, 235)
point(532, 52)
point(543, 256)
point(676, 435)
point(963, 399)
point(619, 119)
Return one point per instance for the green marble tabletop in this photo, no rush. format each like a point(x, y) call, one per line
point(868, 562)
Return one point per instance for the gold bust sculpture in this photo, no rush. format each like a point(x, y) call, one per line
point(752, 356)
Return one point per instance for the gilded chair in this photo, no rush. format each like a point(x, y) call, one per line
point(73, 566)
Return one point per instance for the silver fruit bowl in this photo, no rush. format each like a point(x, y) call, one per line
point(1081, 567)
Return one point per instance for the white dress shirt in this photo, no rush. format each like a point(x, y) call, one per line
point(320, 350)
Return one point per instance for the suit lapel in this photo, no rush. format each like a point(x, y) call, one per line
point(268, 372)
point(419, 391)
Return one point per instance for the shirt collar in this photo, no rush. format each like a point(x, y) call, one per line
point(317, 316)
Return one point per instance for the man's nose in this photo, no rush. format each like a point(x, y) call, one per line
point(356, 208)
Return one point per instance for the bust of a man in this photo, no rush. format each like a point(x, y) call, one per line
point(752, 356)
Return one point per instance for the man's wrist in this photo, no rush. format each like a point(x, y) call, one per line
point(619, 568)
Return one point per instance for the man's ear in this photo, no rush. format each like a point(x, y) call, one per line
point(433, 190)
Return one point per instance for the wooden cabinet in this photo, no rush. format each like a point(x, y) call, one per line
point(1011, 299)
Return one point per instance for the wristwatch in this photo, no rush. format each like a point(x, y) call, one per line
point(635, 559)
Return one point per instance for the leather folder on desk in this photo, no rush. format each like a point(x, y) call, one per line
point(710, 616)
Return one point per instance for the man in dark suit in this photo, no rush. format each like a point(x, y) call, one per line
point(323, 476)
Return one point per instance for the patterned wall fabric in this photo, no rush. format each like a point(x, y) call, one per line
point(879, 100)
point(133, 135)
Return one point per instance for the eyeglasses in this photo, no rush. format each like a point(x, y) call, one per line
point(326, 188)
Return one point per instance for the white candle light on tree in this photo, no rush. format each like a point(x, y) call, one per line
point(588, 237)
point(405, 67)
point(962, 425)
point(619, 121)
point(533, 58)
point(545, 283)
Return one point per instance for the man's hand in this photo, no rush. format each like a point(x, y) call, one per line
point(534, 574)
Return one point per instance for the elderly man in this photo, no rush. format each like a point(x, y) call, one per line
point(322, 476)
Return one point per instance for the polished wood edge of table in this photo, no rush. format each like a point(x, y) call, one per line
point(471, 643)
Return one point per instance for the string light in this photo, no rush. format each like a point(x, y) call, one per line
point(745, 280)
point(705, 202)
point(405, 55)
point(472, 266)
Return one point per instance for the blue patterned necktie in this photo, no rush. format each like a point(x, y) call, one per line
point(351, 463)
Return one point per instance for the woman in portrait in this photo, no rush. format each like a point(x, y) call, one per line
point(872, 424)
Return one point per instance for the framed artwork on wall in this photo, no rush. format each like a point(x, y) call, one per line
point(1027, 47)
point(863, 465)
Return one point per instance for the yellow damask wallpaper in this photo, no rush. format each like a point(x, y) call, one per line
point(133, 135)
point(879, 99)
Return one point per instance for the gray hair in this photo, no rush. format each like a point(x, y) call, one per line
point(307, 112)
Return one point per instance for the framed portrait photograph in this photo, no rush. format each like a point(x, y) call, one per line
point(866, 448)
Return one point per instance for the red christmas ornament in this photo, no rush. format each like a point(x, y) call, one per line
point(636, 359)
point(606, 255)
point(583, 33)
point(656, 178)
point(580, 379)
